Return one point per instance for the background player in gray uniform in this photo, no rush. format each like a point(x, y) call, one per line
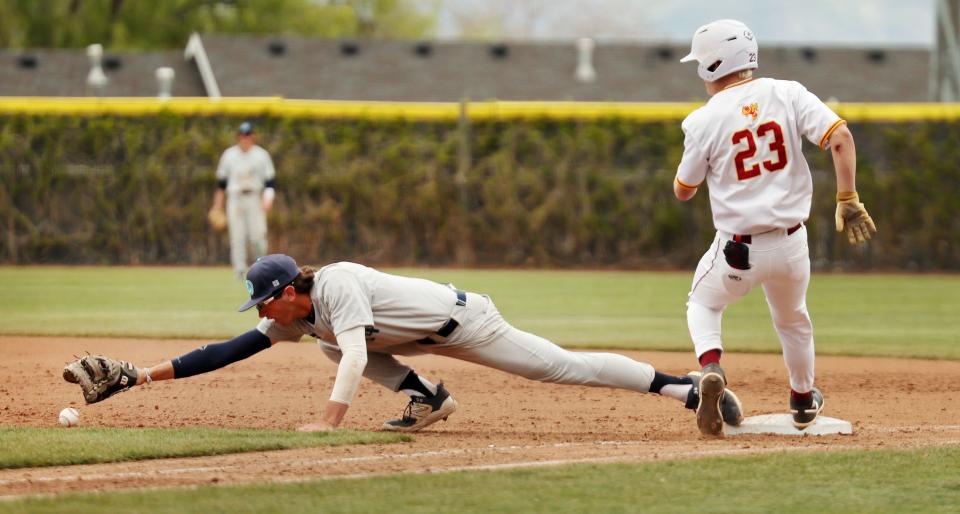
point(363, 318)
point(246, 181)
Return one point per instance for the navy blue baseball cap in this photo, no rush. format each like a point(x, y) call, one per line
point(245, 128)
point(268, 276)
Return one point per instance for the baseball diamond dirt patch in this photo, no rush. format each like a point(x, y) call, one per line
point(503, 421)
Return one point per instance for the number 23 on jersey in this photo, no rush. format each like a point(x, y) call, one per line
point(768, 131)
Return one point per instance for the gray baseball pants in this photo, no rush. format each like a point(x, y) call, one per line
point(485, 338)
point(247, 223)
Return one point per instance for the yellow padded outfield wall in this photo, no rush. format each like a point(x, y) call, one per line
point(432, 111)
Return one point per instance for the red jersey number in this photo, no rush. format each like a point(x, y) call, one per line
point(776, 145)
point(742, 172)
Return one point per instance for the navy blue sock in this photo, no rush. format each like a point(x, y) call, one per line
point(215, 356)
point(413, 383)
point(662, 379)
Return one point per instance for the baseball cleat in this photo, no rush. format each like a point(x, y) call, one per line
point(422, 412)
point(709, 416)
point(805, 412)
point(731, 410)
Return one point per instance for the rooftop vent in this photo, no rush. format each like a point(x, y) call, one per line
point(499, 51)
point(27, 61)
point(423, 49)
point(877, 56)
point(277, 48)
point(96, 79)
point(585, 71)
point(165, 77)
point(349, 48)
point(808, 54)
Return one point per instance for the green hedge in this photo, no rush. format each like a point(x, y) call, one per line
point(123, 190)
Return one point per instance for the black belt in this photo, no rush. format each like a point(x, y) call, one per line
point(748, 239)
point(451, 323)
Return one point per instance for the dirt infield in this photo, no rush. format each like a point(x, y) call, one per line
point(503, 421)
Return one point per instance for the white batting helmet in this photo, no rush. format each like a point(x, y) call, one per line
point(722, 47)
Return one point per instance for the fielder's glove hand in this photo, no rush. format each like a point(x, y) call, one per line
point(100, 377)
point(217, 219)
point(852, 216)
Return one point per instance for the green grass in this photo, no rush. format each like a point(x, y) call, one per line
point(123, 301)
point(863, 482)
point(889, 315)
point(34, 447)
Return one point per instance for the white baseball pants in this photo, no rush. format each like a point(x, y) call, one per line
point(781, 264)
point(485, 338)
point(247, 224)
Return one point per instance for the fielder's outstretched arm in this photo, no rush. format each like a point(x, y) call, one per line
point(207, 358)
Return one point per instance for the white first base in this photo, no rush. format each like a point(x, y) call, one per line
point(782, 424)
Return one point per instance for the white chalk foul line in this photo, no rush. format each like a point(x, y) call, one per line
point(659, 455)
point(301, 463)
point(919, 428)
point(289, 463)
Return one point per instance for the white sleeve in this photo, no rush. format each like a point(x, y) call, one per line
point(269, 173)
point(353, 347)
point(695, 161)
point(815, 120)
point(346, 301)
point(222, 171)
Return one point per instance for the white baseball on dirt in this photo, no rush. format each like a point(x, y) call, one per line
point(69, 417)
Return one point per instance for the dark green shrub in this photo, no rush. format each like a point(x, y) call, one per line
point(535, 193)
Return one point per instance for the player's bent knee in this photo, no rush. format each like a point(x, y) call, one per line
point(797, 318)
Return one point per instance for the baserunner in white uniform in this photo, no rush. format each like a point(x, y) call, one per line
point(745, 143)
point(246, 181)
point(363, 318)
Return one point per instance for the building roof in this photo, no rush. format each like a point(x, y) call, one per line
point(391, 70)
point(296, 67)
point(49, 72)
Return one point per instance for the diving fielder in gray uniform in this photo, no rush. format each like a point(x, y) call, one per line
point(363, 318)
point(246, 181)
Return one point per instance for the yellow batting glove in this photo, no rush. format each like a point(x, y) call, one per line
point(852, 216)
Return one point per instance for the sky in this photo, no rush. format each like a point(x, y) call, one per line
point(813, 22)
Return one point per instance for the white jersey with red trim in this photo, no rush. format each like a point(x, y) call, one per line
point(746, 143)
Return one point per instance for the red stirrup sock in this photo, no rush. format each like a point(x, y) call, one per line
point(710, 357)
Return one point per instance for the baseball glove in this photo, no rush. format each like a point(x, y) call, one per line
point(100, 377)
point(217, 219)
point(852, 216)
